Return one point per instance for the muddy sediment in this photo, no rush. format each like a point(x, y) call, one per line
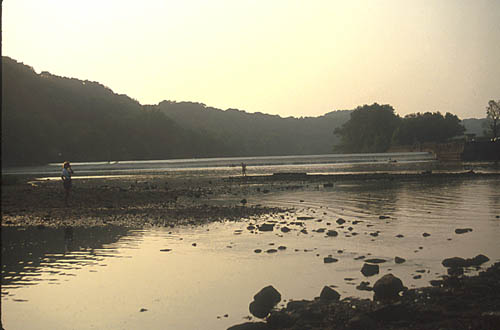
point(140, 200)
point(132, 202)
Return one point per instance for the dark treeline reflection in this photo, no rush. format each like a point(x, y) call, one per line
point(47, 118)
point(29, 252)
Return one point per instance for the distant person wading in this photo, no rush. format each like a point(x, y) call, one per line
point(66, 178)
point(243, 169)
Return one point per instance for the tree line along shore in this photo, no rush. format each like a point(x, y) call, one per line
point(48, 118)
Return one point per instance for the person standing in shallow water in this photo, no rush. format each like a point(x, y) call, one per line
point(66, 178)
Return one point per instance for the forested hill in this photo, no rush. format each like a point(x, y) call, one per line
point(47, 118)
point(240, 133)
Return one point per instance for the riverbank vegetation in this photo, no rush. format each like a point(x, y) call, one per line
point(48, 118)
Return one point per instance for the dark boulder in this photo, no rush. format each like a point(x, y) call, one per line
point(462, 230)
point(285, 229)
point(375, 261)
point(478, 260)
point(329, 294)
point(399, 260)
point(329, 260)
point(266, 227)
point(332, 233)
point(387, 288)
point(264, 301)
point(454, 262)
point(457, 262)
point(340, 221)
point(369, 269)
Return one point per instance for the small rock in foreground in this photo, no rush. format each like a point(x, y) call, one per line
point(264, 301)
point(369, 270)
point(329, 294)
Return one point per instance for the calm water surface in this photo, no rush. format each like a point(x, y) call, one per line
point(102, 278)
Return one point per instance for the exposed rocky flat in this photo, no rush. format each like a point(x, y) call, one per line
point(456, 302)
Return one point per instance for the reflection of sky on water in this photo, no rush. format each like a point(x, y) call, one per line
point(33, 255)
point(101, 278)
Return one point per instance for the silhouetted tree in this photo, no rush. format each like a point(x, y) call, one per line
point(493, 116)
point(369, 129)
point(427, 127)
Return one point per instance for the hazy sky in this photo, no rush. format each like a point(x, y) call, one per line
point(292, 58)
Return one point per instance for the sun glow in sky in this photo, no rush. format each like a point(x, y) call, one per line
point(286, 57)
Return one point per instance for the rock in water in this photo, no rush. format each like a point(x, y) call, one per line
point(285, 229)
point(454, 262)
point(329, 294)
point(462, 230)
point(478, 260)
point(264, 301)
point(332, 233)
point(369, 269)
point(399, 260)
point(457, 262)
point(329, 260)
point(266, 227)
point(387, 288)
point(375, 261)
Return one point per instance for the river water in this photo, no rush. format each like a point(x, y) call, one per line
point(260, 165)
point(116, 278)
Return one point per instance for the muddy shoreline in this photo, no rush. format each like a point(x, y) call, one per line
point(162, 200)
